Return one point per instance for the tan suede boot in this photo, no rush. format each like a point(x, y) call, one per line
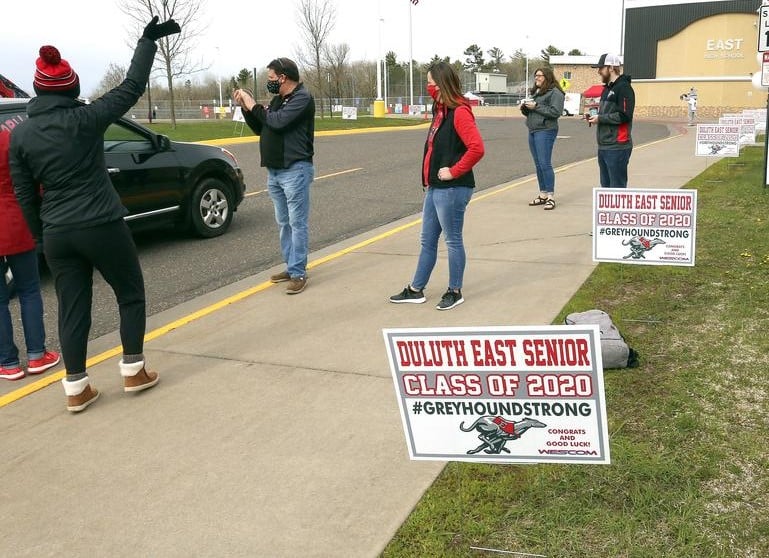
point(79, 393)
point(136, 378)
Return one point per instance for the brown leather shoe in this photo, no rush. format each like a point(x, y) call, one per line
point(141, 381)
point(77, 403)
point(280, 277)
point(296, 285)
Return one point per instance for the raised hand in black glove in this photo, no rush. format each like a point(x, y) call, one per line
point(154, 31)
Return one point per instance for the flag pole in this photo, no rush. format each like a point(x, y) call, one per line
point(379, 104)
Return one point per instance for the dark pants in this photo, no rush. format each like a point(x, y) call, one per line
point(72, 257)
point(613, 166)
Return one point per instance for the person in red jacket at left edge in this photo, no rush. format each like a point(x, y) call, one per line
point(18, 253)
point(452, 148)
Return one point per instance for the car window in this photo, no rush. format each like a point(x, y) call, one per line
point(120, 139)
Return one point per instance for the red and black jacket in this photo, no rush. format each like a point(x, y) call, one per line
point(615, 115)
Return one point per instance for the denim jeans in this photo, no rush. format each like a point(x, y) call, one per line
point(541, 146)
point(27, 279)
point(613, 166)
point(444, 210)
point(290, 192)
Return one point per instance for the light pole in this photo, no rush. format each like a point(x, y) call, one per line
point(622, 31)
point(526, 54)
point(219, 79)
point(379, 104)
point(411, 60)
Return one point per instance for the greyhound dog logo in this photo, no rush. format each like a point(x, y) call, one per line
point(495, 432)
point(715, 149)
point(639, 245)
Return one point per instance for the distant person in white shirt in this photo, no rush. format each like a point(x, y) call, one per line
point(692, 103)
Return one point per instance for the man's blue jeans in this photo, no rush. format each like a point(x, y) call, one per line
point(27, 279)
point(541, 146)
point(290, 192)
point(613, 166)
point(444, 210)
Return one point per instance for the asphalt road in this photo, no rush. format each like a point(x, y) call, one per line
point(362, 181)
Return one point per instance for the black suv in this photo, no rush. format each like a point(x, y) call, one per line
point(196, 186)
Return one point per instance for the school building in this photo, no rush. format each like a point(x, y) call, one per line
point(673, 45)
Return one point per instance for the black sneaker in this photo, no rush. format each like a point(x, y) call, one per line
point(450, 299)
point(409, 295)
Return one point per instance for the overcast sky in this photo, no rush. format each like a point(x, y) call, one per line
point(249, 33)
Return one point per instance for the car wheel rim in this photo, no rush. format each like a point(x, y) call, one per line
point(214, 209)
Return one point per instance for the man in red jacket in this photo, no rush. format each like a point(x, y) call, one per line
point(18, 253)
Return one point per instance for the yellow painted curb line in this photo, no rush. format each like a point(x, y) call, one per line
point(325, 133)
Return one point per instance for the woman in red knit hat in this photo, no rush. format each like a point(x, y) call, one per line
point(80, 215)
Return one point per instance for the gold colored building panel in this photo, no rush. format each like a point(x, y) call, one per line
point(716, 46)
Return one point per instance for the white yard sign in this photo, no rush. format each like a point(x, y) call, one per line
point(523, 394)
point(644, 226)
point(718, 140)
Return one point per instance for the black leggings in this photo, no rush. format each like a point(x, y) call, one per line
point(72, 256)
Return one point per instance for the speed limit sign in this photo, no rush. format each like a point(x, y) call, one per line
point(763, 29)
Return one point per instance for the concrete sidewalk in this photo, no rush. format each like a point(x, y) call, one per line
point(275, 429)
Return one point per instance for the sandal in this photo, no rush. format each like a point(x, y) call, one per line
point(549, 204)
point(539, 200)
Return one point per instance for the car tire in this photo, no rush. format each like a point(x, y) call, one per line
point(211, 208)
point(566, 113)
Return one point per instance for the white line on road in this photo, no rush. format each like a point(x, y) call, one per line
point(316, 178)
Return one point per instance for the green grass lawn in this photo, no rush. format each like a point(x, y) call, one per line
point(200, 130)
point(688, 429)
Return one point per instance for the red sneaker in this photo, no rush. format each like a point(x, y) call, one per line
point(40, 365)
point(15, 373)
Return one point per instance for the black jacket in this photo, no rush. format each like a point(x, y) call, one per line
point(286, 127)
point(61, 147)
point(615, 115)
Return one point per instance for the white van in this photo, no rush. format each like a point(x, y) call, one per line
point(571, 104)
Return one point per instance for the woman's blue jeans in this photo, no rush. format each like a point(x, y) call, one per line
point(541, 146)
point(443, 211)
point(290, 192)
point(27, 279)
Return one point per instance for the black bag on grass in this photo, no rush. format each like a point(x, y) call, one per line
point(615, 352)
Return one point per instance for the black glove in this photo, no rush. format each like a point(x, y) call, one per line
point(153, 31)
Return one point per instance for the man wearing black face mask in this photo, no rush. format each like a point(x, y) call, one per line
point(287, 131)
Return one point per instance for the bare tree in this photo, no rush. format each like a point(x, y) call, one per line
point(316, 20)
point(175, 51)
point(363, 79)
point(335, 57)
point(112, 78)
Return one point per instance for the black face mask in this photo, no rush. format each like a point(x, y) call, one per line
point(273, 86)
